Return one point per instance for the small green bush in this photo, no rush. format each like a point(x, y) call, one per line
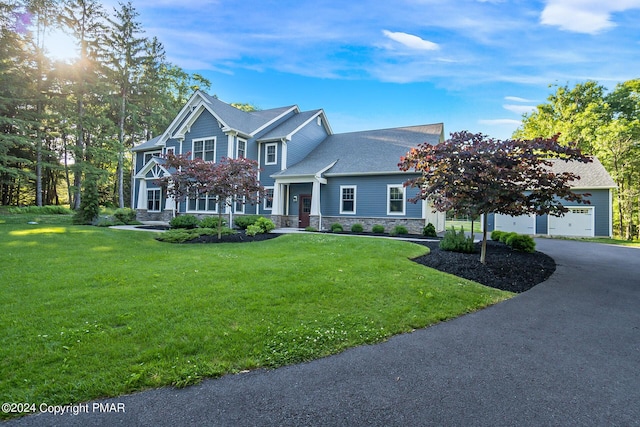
point(505, 236)
point(457, 241)
point(310, 228)
point(181, 235)
point(496, 234)
point(107, 221)
point(265, 224)
point(125, 215)
point(399, 230)
point(378, 229)
point(254, 229)
point(184, 221)
point(429, 230)
point(357, 228)
point(336, 228)
point(244, 221)
point(522, 243)
point(211, 222)
point(41, 210)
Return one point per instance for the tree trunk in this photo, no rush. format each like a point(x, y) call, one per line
point(483, 251)
point(123, 110)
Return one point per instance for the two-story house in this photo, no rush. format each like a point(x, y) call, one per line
point(312, 176)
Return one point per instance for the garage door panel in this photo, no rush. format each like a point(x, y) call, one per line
point(522, 224)
point(578, 222)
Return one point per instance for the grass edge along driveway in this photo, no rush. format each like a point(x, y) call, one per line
point(91, 312)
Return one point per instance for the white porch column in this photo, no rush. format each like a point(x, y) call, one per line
point(315, 198)
point(142, 194)
point(276, 207)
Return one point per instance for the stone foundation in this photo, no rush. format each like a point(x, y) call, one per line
point(144, 215)
point(413, 225)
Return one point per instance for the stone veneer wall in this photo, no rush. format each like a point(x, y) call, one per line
point(143, 215)
point(414, 225)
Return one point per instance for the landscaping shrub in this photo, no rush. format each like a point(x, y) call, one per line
point(357, 228)
point(522, 243)
point(336, 228)
point(265, 224)
point(107, 221)
point(184, 221)
point(125, 215)
point(254, 229)
point(457, 241)
point(244, 221)
point(399, 229)
point(379, 229)
point(310, 228)
point(496, 234)
point(181, 235)
point(41, 210)
point(505, 236)
point(211, 222)
point(429, 230)
point(89, 202)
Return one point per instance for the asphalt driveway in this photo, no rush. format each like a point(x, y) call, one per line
point(567, 352)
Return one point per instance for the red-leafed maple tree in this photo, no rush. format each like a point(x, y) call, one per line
point(476, 175)
point(230, 181)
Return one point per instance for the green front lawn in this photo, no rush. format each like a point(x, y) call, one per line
point(89, 312)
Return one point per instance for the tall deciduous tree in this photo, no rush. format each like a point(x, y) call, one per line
point(125, 49)
point(230, 181)
point(478, 175)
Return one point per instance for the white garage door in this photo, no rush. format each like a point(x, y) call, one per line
point(577, 222)
point(521, 224)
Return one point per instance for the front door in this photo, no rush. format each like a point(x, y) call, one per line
point(304, 211)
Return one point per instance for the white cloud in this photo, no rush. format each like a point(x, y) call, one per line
point(519, 109)
point(584, 16)
point(518, 99)
point(411, 41)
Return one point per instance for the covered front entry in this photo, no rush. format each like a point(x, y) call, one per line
point(296, 202)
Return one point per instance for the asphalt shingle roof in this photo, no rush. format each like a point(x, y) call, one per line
point(147, 145)
point(592, 175)
point(245, 122)
point(288, 126)
point(373, 151)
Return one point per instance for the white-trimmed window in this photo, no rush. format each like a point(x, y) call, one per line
point(268, 198)
point(395, 199)
point(153, 200)
point(205, 149)
point(203, 203)
point(170, 150)
point(347, 199)
point(149, 156)
point(239, 205)
point(271, 154)
point(241, 152)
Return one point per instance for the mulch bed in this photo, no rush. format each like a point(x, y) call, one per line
point(239, 237)
point(505, 268)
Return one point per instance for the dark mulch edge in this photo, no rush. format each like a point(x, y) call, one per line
point(239, 237)
point(505, 268)
point(154, 227)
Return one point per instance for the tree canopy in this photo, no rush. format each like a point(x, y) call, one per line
point(474, 174)
point(605, 124)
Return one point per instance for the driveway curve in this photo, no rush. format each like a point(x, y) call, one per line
point(567, 352)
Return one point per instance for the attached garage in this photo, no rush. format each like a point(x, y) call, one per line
point(521, 224)
point(578, 222)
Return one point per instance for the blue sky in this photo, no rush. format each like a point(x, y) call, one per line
point(473, 64)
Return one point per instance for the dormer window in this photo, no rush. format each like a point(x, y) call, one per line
point(204, 149)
